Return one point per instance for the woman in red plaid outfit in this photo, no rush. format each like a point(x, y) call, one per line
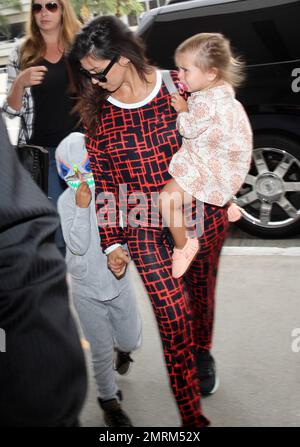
point(131, 138)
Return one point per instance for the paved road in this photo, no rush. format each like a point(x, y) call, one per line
point(245, 244)
point(256, 313)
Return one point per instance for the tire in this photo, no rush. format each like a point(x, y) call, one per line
point(270, 196)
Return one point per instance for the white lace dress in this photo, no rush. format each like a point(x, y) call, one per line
point(215, 155)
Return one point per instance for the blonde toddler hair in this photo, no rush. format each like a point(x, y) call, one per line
point(213, 50)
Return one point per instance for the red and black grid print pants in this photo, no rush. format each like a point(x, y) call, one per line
point(184, 324)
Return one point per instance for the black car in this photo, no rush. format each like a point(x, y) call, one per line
point(267, 34)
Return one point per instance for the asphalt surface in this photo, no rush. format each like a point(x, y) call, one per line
point(256, 348)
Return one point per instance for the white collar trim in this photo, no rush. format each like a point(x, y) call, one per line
point(145, 101)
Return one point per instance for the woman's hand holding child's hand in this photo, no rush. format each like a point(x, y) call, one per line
point(179, 103)
point(117, 261)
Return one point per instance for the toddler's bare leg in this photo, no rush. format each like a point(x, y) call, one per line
point(171, 202)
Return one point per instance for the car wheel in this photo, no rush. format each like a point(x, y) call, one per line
point(270, 196)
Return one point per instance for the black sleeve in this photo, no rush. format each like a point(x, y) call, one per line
point(42, 372)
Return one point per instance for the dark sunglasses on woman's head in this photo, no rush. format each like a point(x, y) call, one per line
point(101, 75)
point(51, 6)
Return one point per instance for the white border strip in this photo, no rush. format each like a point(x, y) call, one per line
point(142, 103)
point(261, 251)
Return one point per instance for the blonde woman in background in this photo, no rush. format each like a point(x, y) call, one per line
point(39, 84)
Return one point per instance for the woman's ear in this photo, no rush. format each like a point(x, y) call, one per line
point(123, 61)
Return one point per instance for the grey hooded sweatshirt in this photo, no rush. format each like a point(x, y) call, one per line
point(86, 262)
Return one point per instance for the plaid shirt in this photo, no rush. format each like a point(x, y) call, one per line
point(26, 111)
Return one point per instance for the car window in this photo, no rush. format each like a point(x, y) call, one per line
point(263, 32)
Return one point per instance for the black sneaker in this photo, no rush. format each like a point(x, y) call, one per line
point(206, 367)
point(113, 414)
point(123, 362)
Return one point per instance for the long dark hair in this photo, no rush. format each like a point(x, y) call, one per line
point(103, 38)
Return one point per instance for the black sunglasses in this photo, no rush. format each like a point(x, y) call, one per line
point(101, 75)
point(51, 6)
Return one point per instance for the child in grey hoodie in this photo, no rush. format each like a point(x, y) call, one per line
point(105, 305)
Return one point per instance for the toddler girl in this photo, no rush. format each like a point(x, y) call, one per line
point(215, 155)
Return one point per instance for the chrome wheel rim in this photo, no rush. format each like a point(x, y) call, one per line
point(270, 196)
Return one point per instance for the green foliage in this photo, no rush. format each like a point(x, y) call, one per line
point(116, 7)
point(7, 5)
point(10, 4)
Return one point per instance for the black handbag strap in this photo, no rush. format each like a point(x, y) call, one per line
point(24, 127)
point(39, 159)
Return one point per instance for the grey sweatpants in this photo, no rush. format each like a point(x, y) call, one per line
point(109, 324)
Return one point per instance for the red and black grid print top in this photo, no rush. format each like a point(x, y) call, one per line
point(133, 147)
